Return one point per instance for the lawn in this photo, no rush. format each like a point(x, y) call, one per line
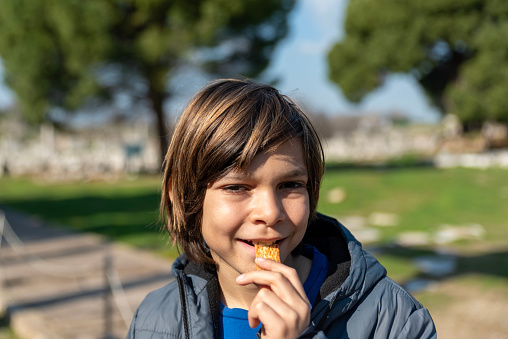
point(125, 211)
point(423, 199)
point(426, 199)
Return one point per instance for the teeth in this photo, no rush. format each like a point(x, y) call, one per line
point(260, 243)
point(265, 243)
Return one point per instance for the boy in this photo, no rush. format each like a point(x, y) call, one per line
point(245, 166)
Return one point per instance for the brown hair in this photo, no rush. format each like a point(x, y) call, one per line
point(222, 129)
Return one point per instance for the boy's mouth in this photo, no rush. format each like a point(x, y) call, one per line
point(266, 243)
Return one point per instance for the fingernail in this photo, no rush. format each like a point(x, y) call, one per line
point(240, 277)
point(260, 259)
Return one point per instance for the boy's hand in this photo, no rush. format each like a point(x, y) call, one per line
point(281, 303)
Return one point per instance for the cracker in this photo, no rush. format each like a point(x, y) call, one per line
point(268, 251)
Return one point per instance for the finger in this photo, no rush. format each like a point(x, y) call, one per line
point(265, 306)
point(275, 281)
point(279, 281)
point(266, 296)
point(278, 318)
point(261, 312)
point(290, 273)
point(280, 296)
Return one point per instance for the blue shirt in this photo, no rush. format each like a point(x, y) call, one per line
point(234, 323)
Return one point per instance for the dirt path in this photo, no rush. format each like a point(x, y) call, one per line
point(466, 311)
point(55, 283)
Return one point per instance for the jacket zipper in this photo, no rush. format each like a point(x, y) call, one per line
point(324, 318)
point(183, 303)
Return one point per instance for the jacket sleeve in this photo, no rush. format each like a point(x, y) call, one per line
point(131, 334)
point(419, 325)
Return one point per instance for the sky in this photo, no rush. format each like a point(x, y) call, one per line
point(6, 95)
point(300, 62)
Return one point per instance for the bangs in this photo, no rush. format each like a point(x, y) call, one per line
point(246, 128)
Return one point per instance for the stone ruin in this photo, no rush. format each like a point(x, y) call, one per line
point(107, 151)
point(114, 150)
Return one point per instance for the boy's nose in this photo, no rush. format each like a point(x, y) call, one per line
point(267, 208)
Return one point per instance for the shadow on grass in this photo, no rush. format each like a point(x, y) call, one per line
point(489, 264)
point(83, 206)
point(97, 292)
point(125, 218)
point(5, 330)
point(391, 165)
point(134, 219)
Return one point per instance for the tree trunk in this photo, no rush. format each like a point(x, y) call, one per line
point(157, 98)
point(446, 72)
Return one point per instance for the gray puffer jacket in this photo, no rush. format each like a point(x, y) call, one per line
point(356, 300)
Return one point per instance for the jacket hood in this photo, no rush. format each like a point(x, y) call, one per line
point(352, 271)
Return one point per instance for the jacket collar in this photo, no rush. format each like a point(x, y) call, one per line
point(352, 271)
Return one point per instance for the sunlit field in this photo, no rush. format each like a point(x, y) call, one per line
point(407, 213)
point(422, 200)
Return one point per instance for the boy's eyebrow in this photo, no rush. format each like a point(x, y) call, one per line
point(298, 172)
point(235, 176)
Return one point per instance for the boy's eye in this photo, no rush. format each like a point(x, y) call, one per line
point(292, 185)
point(234, 188)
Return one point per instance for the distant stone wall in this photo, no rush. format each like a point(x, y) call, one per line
point(53, 155)
point(112, 151)
point(388, 143)
point(491, 159)
point(374, 139)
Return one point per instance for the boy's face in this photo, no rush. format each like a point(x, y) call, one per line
point(267, 202)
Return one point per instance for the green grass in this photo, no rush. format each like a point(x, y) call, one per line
point(6, 331)
point(426, 198)
point(423, 197)
point(125, 211)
